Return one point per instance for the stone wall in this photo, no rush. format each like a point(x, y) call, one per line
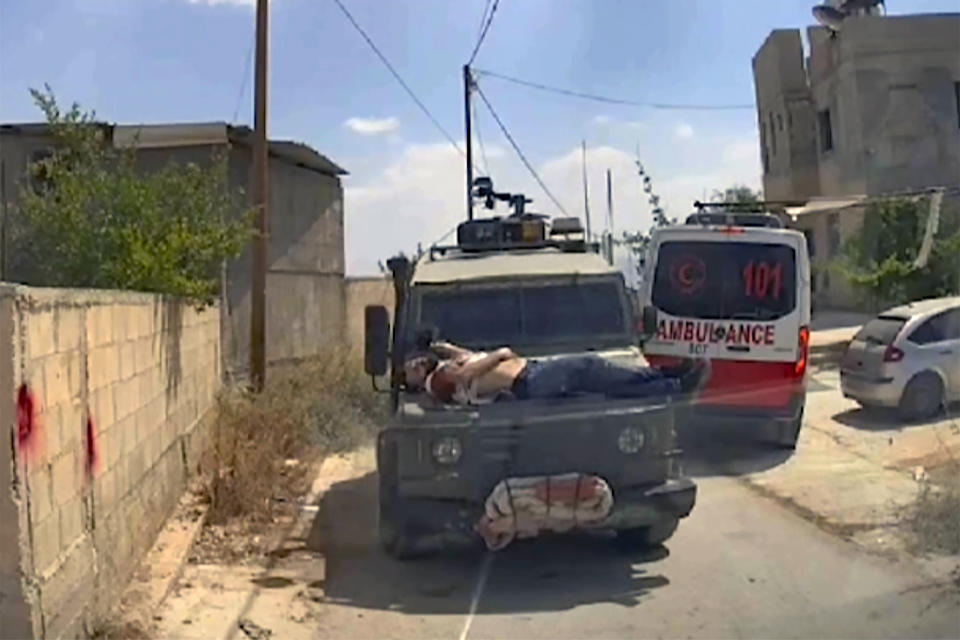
point(108, 393)
point(305, 292)
point(361, 292)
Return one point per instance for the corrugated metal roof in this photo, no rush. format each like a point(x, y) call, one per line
point(185, 134)
point(295, 152)
point(536, 263)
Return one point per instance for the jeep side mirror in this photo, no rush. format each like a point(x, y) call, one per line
point(376, 340)
point(648, 323)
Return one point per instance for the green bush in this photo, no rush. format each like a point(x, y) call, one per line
point(88, 217)
point(879, 260)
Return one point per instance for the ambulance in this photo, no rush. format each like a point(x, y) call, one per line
point(734, 288)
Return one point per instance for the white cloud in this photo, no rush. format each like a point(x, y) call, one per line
point(372, 126)
point(419, 196)
point(604, 121)
point(683, 131)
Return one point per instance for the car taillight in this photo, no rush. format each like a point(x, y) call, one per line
point(803, 351)
point(892, 354)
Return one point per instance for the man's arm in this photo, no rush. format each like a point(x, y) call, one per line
point(449, 351)
point(464, 374)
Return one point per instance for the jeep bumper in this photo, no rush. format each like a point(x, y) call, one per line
point(454, 521)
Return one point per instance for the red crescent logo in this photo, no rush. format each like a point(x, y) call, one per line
point(688, 275)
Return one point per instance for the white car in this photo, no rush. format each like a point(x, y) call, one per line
point(907, 358)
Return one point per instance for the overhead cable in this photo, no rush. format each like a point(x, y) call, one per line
point(398, 78)
point(483, 31)
point(516, 148)
point(243, 82)
point(609, 100)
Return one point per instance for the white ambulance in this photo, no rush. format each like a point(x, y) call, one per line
point(735, 289)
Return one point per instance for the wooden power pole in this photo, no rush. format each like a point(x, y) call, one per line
point(260, 192)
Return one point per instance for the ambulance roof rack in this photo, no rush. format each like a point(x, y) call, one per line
point(736, 214)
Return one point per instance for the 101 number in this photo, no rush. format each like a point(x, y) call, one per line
point(761, 279)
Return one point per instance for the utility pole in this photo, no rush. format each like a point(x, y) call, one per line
point(586, 197)
point(610, 216)
point(260, 191)
point(467, 89)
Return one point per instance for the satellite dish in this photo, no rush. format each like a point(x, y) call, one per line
point(828, 16)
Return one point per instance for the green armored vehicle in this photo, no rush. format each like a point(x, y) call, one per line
point(510, 468)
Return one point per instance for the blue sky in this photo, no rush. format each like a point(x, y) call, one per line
point(185, 60)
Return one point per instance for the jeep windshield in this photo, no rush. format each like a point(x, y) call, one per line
point(588, 314)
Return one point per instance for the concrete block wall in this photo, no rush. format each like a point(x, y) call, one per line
point(361, 292)
point(108, 395)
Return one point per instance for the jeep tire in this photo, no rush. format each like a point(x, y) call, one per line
point(395, 539)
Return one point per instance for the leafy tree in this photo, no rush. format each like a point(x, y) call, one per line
point(737, 193)
point(880, 258)
point(88, 217)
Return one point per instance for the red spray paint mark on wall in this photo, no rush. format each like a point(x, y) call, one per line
point(28, 421)
point(92, 456)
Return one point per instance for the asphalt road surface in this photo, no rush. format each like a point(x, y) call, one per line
point(741, 566)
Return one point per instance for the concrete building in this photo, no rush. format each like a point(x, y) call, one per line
point(306, 306)
point(873, 110)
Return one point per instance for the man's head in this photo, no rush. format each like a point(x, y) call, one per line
point(417, 367)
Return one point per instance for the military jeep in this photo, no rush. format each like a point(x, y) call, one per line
point(522, 283)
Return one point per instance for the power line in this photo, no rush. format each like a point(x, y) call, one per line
point(516, 148)
point(483, 17)
point(483, 31)
point(243, 83)
point(398, 78)
point(609, 100)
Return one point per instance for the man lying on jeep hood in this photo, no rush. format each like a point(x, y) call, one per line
point(452, 374)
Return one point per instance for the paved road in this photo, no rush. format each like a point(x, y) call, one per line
point(741, 566)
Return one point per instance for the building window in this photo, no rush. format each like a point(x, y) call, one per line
point(773, 136)
point(956, 98)
point(826, 130)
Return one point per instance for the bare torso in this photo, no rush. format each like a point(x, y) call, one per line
point(500, 378)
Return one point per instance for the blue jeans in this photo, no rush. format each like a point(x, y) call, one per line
point(591, 374)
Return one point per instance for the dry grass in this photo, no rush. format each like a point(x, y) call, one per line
point(322, 406)
point(934, 519)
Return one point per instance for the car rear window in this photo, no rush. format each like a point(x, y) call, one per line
point(725, 280)
point(881, 330)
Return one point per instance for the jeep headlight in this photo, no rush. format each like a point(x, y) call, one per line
point(447, 450)
point(631, 440)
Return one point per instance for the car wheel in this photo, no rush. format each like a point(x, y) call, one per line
point(646, 537)
point(922, 397)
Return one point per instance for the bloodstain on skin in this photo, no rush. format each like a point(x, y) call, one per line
point(28, 423)
point(91, 441)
